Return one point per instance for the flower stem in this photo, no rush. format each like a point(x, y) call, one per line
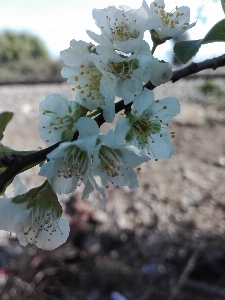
point(153, 48)
point(94, 113)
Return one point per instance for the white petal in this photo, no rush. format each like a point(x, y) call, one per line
point(45, 241)
point(86, 127)
point(8, 211)
point(19, 187)
point(142, 102)
point(162, 146)
point(172, 109)
point(22, 223)
point(132, 156)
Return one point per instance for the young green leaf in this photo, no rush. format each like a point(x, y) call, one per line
point(223, 5)
point(185, 50)
point(216, 34)
point(5, 117)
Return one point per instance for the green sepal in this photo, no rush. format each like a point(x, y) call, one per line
point(31, 194)
point(67, 135)
point(129, 136)
point(131, 118)
point(74, 106)
point(83, 111)
point(91, 48)
point(156, 40)
point(42, 197)
point(49, 112)
point(47, 199)
point(5, 118)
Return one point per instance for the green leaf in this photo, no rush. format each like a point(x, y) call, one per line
point(5, 117)
point(223, 5)
point(185, 50)
point(216, 34)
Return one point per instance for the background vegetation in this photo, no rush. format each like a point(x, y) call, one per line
point(24, 56)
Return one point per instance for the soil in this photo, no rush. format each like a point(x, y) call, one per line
point(164, 240)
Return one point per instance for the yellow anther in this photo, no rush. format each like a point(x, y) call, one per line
point(76, 78)
point(81, 92)
point(81, 73)
point(73, 89)
point(135, 111)
point(164, 107)
point(82, 66)
point(87, 72)
point(138, 169)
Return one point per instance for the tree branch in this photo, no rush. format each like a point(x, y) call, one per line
point(17, 162)
point(194, 68)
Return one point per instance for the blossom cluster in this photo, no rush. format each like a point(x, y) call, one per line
point(116, 64)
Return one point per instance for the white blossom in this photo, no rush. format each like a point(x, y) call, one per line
point(78, 51)
point(114, 162)
point(161, 72)
point(57, 118)
point(32, 222)
point(132, 70)
point(93, 90)
point(123, 28)
point(144, 126)
point(70, 163)
point(171, 24)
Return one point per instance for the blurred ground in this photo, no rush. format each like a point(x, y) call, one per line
point(163, 241)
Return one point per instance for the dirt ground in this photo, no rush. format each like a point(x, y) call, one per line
point(163, 241)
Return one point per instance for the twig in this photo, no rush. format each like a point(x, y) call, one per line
point(185, 274)
point(194, 68)
point(206, 288)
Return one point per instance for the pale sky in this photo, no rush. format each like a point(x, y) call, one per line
point(59, 21)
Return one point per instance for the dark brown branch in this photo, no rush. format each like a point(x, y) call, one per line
point(194, 68)
point(17, 162)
